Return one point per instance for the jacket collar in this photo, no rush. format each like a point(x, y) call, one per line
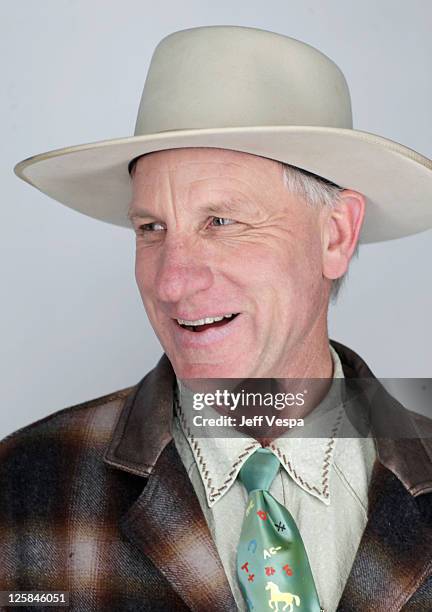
point(143, 429)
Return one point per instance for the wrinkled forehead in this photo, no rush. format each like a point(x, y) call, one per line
point(224, 161)
point(204, 159)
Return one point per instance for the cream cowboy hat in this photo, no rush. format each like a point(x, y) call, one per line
point(247, 90)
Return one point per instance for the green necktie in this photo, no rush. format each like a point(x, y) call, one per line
point(272, 564)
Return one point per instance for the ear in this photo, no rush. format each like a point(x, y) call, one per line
point(341, 229)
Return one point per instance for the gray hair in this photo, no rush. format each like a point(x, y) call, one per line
point(316, 191)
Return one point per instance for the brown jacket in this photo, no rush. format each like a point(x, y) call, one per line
point(95, 500)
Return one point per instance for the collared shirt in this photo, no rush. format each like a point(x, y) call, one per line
point(323, 483)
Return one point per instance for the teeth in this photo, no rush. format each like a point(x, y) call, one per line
point(204, 321)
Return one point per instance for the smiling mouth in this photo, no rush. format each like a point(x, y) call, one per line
point(201, 326)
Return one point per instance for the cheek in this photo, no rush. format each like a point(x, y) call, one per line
point(307, 284)
point(291, 275)
point(145, 279)
point(144, 271)
point(276, 265)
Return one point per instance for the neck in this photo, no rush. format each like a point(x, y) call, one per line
point(312, 371)
point(311, 375)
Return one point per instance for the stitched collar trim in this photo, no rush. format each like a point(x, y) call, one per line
point(307, 460)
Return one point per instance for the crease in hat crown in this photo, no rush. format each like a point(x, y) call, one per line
point(253, 91)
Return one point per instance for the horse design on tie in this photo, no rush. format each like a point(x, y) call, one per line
point(276, 596)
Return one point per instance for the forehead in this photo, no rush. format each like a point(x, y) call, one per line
point(190, 164)
point(194, 178)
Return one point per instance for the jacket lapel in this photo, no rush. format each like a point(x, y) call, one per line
point(395, 552)
point(166, 522)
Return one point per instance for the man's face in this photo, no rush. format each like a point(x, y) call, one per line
point(219, 234)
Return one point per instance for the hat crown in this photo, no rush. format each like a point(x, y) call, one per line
point(233, 76)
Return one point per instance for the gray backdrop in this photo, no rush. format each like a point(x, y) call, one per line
point(73, 326)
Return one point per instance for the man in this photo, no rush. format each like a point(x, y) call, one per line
point(117, 500)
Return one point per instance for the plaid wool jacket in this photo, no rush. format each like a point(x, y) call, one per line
point(94, 500)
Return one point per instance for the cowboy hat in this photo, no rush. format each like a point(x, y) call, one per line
point(249, 90)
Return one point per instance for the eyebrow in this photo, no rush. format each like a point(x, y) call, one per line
point(231, 205)
point(135, 214)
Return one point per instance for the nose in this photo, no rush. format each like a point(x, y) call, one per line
point(182, 271)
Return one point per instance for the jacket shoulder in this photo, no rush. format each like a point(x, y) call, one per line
point(97, 416)
point(47, 464)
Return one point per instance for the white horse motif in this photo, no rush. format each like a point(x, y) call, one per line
point(276, 596)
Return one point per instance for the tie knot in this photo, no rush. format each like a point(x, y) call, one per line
point(259, 470)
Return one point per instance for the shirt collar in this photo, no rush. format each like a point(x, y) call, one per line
point(307, 460)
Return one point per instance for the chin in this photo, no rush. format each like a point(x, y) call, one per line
point(207, 370)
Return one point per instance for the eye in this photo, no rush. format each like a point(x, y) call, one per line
point(155, 226)
point(220, 221)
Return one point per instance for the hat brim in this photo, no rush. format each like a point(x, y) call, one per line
point(93, 178)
